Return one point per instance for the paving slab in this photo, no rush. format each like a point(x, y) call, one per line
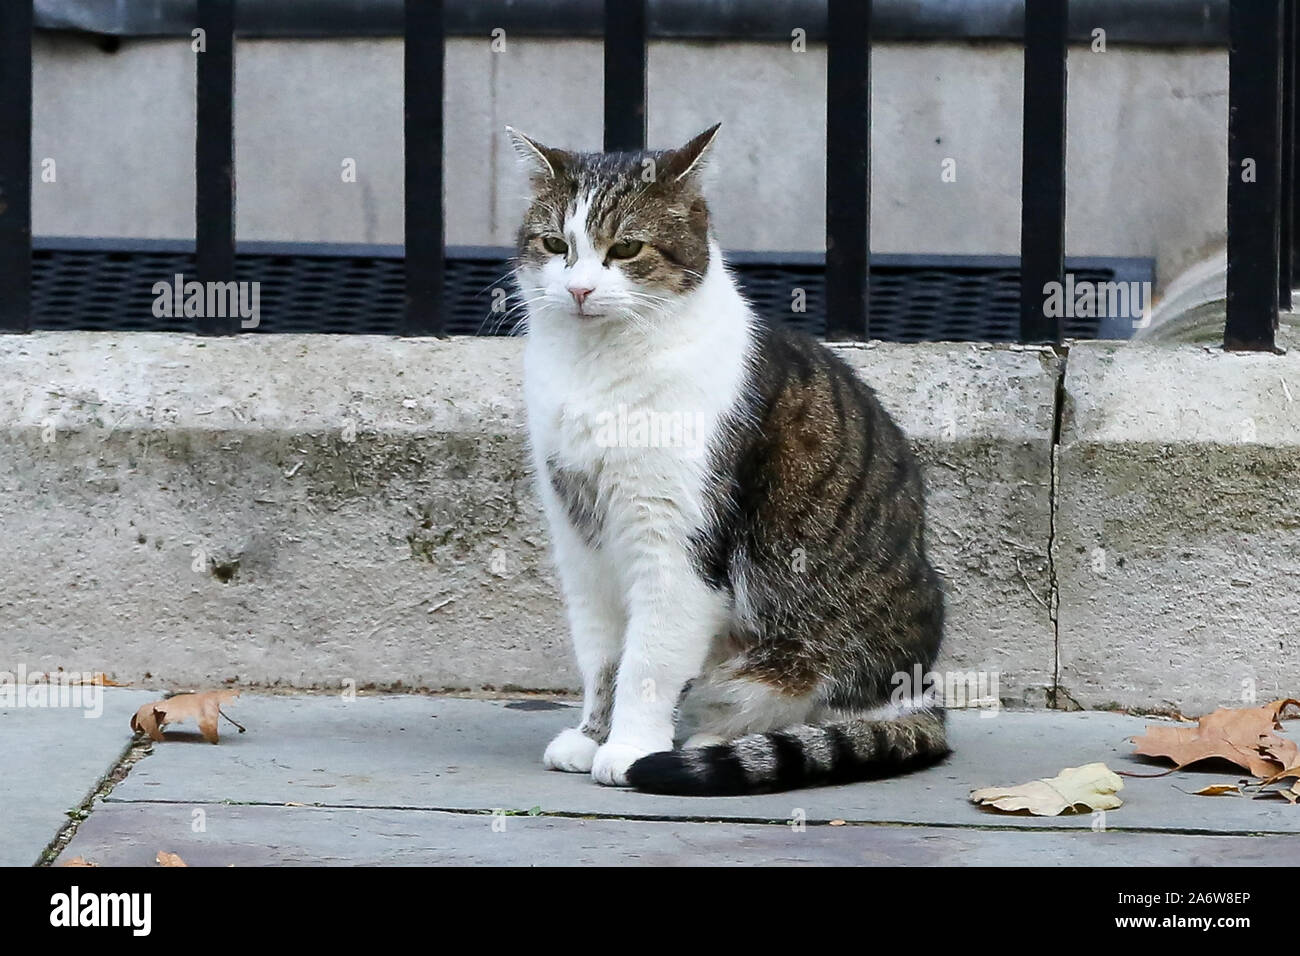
point(54, 758)
point(438, 753)
point(132, 835)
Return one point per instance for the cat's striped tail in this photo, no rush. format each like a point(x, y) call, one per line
point(860, 748)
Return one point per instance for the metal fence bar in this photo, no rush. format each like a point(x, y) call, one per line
point(1286, 208)
point(1042, 196)
point(625, 70)
point(1294, 52)
point(1254, 172)
point(426, 235)
point(214, 158)
point(15, 165)
point(848, 169)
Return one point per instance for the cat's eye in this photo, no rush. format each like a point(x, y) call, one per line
point(625, 248)
point(555, 245)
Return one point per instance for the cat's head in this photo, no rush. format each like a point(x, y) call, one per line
point(612, 237)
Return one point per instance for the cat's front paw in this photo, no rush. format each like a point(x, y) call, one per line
point(612, 761)
point(571, 751)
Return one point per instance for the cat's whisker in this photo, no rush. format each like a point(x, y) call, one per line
point(494, 283)
point(502, 316)
point(506, 314)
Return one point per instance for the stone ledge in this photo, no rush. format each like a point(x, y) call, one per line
point(1177, 546)
point(305, 510)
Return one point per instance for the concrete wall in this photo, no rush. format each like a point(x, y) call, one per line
point(302, 510)
point(1147, 140)
point(1177, 546)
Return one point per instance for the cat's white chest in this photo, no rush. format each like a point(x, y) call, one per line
point(633, 437)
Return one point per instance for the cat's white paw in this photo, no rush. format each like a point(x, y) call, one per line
point(612, 761)
point(571, 751)
point(696, 741)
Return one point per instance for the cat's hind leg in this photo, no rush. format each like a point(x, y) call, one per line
point(727, 705)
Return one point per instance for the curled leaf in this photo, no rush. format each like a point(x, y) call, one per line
point(101, 680)
point(1090, 787)
point(203, 707)
point(1217, 790)
point(1243, 736)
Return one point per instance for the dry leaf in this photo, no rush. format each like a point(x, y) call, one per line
point(1290, 794)
point(203, 707)
point(78, 861)
point(1092, 786)
point(1292, 771)
point(1217, 790)
point(1243, 736)
point(169, 859)
point(101, 680)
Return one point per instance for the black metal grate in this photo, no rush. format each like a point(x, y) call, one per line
point(107, 285)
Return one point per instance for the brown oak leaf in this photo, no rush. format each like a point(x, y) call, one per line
point(169, 859)
point(1244, 736)
point(203, 707)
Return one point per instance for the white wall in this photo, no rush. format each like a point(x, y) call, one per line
point(1147, 140)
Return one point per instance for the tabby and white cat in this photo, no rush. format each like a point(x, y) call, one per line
point(772, 563)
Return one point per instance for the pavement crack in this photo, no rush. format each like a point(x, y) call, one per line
point(130, 755)
point(991, 826)
point(1053, 592)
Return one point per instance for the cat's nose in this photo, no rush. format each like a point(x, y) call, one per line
point(580, 293)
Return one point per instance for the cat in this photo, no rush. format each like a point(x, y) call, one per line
point(731, 510)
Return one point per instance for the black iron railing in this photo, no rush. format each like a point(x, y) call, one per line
point(214, 155)
point(1257, 175)
point(625, 68)
point(1042, 189)
point(1261, 194)
point(848, 169)
point(15, 166)
point(426, 231)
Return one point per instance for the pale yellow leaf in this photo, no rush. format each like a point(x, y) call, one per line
point(1090, 787)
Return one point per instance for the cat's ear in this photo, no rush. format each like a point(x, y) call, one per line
point(688, 161)
point(542, 162)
